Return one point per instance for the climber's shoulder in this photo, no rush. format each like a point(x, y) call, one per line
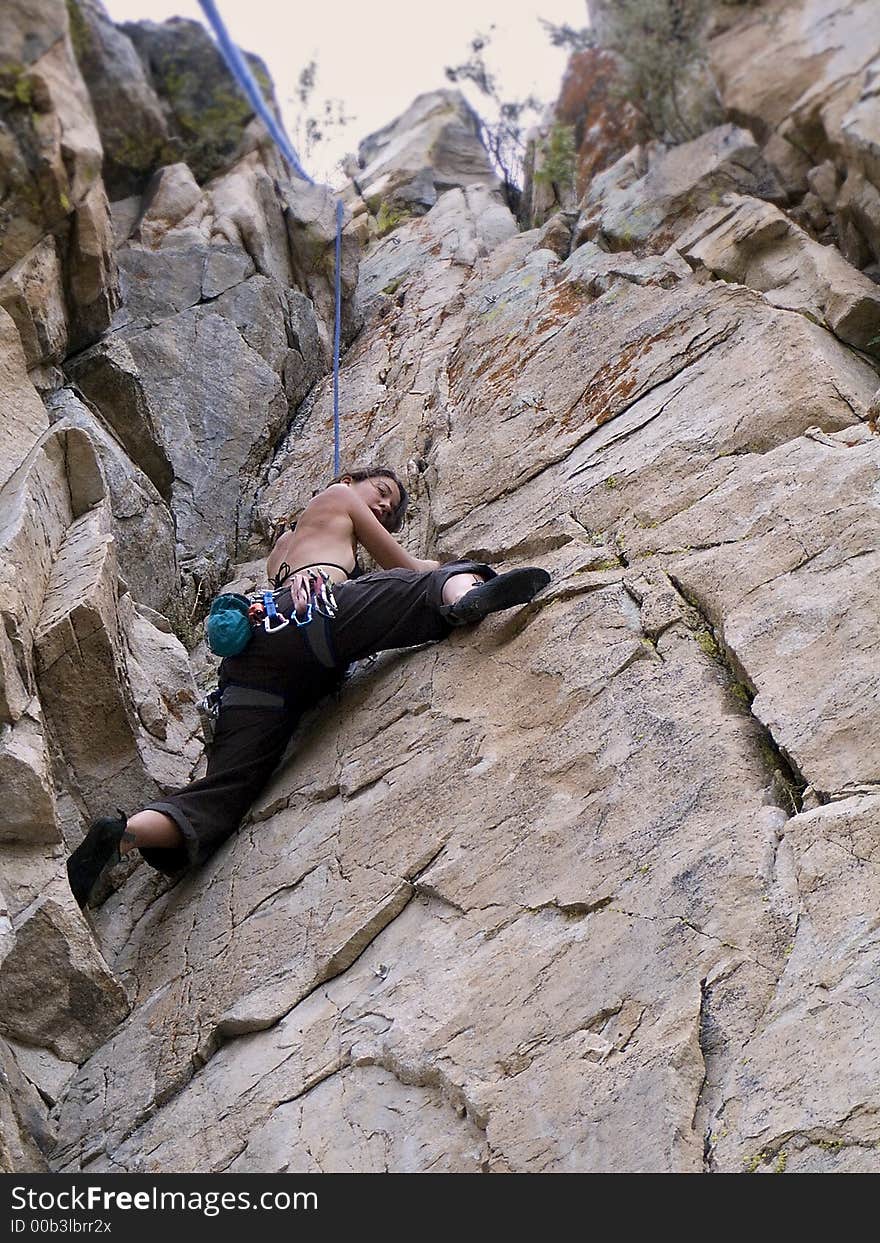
point(336, 498)
point(331, 504)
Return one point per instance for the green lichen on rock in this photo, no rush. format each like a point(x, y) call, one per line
point(393, 286)
point(210, 128)
point(17, 86)
point(24, 91)
point(388, 218)
point(80, 35)
point(205, 110)
point(706, 642)
point(751, 1164)
point(741, 693)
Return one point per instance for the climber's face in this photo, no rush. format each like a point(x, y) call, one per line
point(379, 494)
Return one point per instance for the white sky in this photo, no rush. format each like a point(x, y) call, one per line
point(377, 56)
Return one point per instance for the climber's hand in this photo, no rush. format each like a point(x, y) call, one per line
point(299, 594)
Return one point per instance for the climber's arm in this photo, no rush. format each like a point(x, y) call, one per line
point(338, 509)
point(379, 542)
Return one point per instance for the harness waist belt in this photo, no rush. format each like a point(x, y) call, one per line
point(319, 641)
point(249, 697)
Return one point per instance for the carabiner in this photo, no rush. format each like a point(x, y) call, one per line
point(273, 624)
point(274, 621)
point(305, 620)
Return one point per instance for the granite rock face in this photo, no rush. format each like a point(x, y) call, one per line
point(813, 108)
point(222, 332)
point(402, 169)
point(203, 110)
point(152, 352)
point(603, 127)
point(646, 197)
point(586, 887)
point(753, 243)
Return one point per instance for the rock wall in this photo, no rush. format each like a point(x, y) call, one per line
point(588, 887)
point(153, 348)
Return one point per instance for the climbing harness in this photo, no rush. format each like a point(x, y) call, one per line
point(273, 621)
point(239, 69)
point(233, 617)
point(233, 696)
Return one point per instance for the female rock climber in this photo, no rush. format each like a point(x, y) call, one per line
point(332, 618)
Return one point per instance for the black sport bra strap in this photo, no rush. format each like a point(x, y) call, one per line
point(317, 564)
point(284, 573)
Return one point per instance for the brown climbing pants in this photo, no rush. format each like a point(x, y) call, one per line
point(376, 612)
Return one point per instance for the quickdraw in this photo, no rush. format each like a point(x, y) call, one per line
point(321, 600)
point(273, 621)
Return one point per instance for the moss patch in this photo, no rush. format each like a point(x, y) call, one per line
point(388, 218)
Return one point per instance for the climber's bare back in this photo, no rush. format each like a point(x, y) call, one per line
point(327, 533)
point(324, 535)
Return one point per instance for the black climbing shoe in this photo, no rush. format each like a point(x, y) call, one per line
point(502, 592)
point(99, 847)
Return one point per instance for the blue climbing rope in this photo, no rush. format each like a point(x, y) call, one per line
point(239, 69)
point(336, 325)
point(238, 66)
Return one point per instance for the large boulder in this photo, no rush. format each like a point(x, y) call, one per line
point(861, 125)
point(114, 687)
point(814, 105)
point(649, 196)
point(755, 244)
point(432, 147)
point(25, 1137)
point(209, 402)
point(603, 128)
point(205, 111)
point(32, 293)
point(821, 1017)
point(226, 325)
point(29, 812)
point(24, 418)
point(51, 150)
point(143, 525)
point(55, 989)
point(134, 133)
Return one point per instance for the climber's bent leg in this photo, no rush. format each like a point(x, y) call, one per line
point(458, 585)
point(247, 745)
point(397, 608)
point(403, 608)
point(265, 691)
point(150, 828)
point(504, 591)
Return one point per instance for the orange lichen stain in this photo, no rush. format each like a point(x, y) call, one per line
point(605, 125)
point(360, 419)
point(545, 325)
point(562, 305)
point(613, 385)
point(506, 374)
point(568, 299)
point(472, 373)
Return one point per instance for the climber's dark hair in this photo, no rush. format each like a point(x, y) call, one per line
point(395, 518)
